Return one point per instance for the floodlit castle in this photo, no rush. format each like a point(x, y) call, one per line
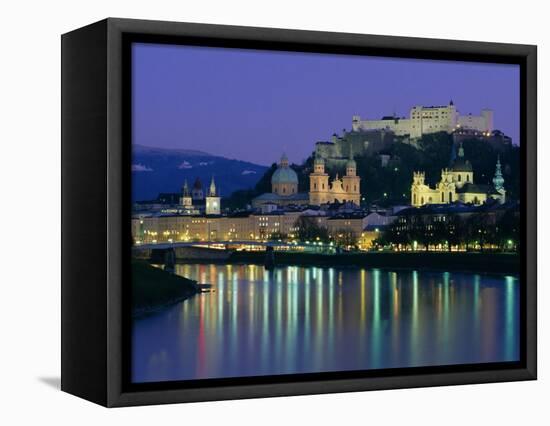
point(428, 119)
point(342, 189)
point(457, 184)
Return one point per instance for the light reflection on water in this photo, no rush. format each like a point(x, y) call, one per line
point(308, 319)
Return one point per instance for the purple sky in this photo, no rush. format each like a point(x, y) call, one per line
point(253, 105)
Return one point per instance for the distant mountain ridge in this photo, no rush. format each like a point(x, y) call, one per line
point(156, 170)
point(143, 149)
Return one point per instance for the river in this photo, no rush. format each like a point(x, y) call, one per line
point(309, 319)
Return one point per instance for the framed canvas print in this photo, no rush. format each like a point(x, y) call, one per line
point(253, 212)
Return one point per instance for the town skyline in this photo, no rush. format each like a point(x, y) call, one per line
point(294, 113)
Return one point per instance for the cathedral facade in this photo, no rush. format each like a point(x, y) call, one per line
point(347, 188)
point(457, 184)
point(284, 186)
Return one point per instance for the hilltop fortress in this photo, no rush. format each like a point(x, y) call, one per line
point(428, 119)
point(374, 136)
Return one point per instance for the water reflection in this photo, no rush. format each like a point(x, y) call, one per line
point(299, 320)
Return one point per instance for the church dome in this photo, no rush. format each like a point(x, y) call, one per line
point(319, 161)
point(460, 164)
point(284, 175)
point(351, 163)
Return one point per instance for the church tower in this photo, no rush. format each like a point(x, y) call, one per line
point(351, 182)
point(197, 193)
point(446, 188)
point(318, 183)
point(185, 200)
point(461, 169)
point(498, 182)
point(212, 200)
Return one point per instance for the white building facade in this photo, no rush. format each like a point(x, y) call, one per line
point(428, 119)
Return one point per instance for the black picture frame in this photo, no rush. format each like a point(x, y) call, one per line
point(96, 210)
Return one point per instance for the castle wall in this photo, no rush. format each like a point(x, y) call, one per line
point(400, 126)
point(425, 120)
point(481, 123)
point(358, 143)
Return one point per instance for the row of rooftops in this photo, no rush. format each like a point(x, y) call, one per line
point(315, 211)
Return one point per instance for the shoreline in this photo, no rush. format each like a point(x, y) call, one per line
point(154, 290)
point(507, 263)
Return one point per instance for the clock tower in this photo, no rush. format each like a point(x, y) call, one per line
point(212, 200)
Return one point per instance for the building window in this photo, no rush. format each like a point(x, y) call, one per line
point(442, 197)
point(450, 197)
point(314, 186)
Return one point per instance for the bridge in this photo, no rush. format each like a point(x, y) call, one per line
point(208, 244)
point(167, 252)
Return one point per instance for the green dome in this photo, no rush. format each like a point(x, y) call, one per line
point(284, 175)
point(351, 163)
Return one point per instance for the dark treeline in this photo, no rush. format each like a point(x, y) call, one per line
point(475, 232)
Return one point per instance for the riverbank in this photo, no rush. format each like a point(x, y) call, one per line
point(154, 289)
point(448, 261)
point(475, 262)
point(508, 263)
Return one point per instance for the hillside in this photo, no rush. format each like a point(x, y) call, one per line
point(391, 183)
point(156, 170)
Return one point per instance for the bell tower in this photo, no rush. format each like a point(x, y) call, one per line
point(318, 183)
point(186, 200)
point(212, 200)
point(498, 182)
point(351, 182)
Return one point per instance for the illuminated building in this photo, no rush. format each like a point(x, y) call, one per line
point(457, 184)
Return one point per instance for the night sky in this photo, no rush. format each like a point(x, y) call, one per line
point(253, 105)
